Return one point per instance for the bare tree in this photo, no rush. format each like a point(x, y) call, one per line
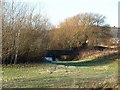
point(24, 33)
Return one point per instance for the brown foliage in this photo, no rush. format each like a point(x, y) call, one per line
point(24, 34)
point(79, 29)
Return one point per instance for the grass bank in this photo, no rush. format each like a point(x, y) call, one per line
point(87, 73)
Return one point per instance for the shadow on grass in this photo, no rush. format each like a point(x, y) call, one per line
point(94, 62)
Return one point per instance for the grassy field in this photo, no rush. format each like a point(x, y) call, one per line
point(88, 73)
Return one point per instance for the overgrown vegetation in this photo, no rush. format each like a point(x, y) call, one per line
point(24, 33)
point(27, 35)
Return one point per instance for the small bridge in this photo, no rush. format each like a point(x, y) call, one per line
point(61, 54)
point(70, 54)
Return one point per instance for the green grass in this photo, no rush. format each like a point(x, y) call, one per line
point(88, 73)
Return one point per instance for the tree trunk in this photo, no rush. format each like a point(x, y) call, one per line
point(16, 46)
